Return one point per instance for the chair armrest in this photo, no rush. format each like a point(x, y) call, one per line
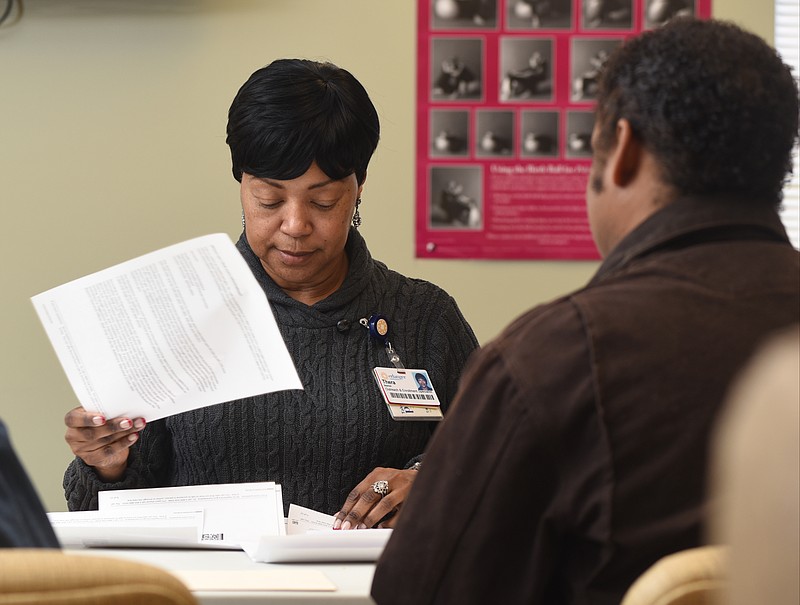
point(53, 577)
point(691, 576)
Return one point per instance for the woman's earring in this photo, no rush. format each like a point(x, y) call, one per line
point(242, 219)
point(356, 215)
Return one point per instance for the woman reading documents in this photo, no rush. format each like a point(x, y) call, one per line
point(301, 135)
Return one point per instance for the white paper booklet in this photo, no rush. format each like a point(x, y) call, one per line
point(180, 328)
point(165, 528)
point(233, 513)
point(320, 546)
point(310, 537)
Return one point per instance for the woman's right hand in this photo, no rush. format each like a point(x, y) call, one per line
point(102, 444)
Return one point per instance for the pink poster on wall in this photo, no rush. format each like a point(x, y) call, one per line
point(505, 110)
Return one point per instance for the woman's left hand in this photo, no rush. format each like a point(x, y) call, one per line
point(365, 507)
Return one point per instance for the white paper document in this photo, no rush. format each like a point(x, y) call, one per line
point(302, 520)
point(165, 528)
point(180, 328)
point(233, 513)
point(320, 546)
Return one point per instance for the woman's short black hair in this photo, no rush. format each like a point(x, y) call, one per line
point(715, 104)
point(294, 112)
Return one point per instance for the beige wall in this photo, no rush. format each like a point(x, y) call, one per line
point(112, 145)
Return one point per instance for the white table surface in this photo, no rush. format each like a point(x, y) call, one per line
point(352, 580)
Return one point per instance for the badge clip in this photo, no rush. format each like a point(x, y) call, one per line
point(378, 327)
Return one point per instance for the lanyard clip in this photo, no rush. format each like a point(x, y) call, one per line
point(394, 358)
point(378, 327)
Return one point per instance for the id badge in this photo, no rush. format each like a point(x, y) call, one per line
point(409, 394)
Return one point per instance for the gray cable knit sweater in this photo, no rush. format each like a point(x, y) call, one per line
point(320, 442)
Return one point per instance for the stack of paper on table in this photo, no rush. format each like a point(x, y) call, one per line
point(247, 516)
point(178, 528)
point(199, 516)
point(310, 538)
point(320, 546)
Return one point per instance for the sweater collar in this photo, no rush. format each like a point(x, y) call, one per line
point(358, 275)
point(691, 220)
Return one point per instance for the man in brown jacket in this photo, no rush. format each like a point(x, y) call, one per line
point(575, 454)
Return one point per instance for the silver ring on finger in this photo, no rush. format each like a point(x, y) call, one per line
point(381, 488)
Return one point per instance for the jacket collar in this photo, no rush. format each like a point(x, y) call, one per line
point(692, 220)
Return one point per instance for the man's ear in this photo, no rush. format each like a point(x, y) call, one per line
point(626, 157)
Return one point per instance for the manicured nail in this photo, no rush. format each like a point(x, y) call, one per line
point(98, 421)
point(125, 424)
point(361, 526)
point(133, 437)
point(346, 525)
point(138, 423)
point(337, 524)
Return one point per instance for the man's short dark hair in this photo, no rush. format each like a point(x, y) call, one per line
point(294, 112)
point(713, 103)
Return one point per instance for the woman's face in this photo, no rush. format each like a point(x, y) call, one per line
point(298, 228)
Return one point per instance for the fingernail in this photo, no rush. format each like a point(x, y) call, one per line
point(138, 423)
point(133, 437)
point(337, 524)
point(125, 424)
point(98, 421)
point(361, 526)
point(346, 525)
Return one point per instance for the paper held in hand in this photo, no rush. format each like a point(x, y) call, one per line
point(178, 329)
